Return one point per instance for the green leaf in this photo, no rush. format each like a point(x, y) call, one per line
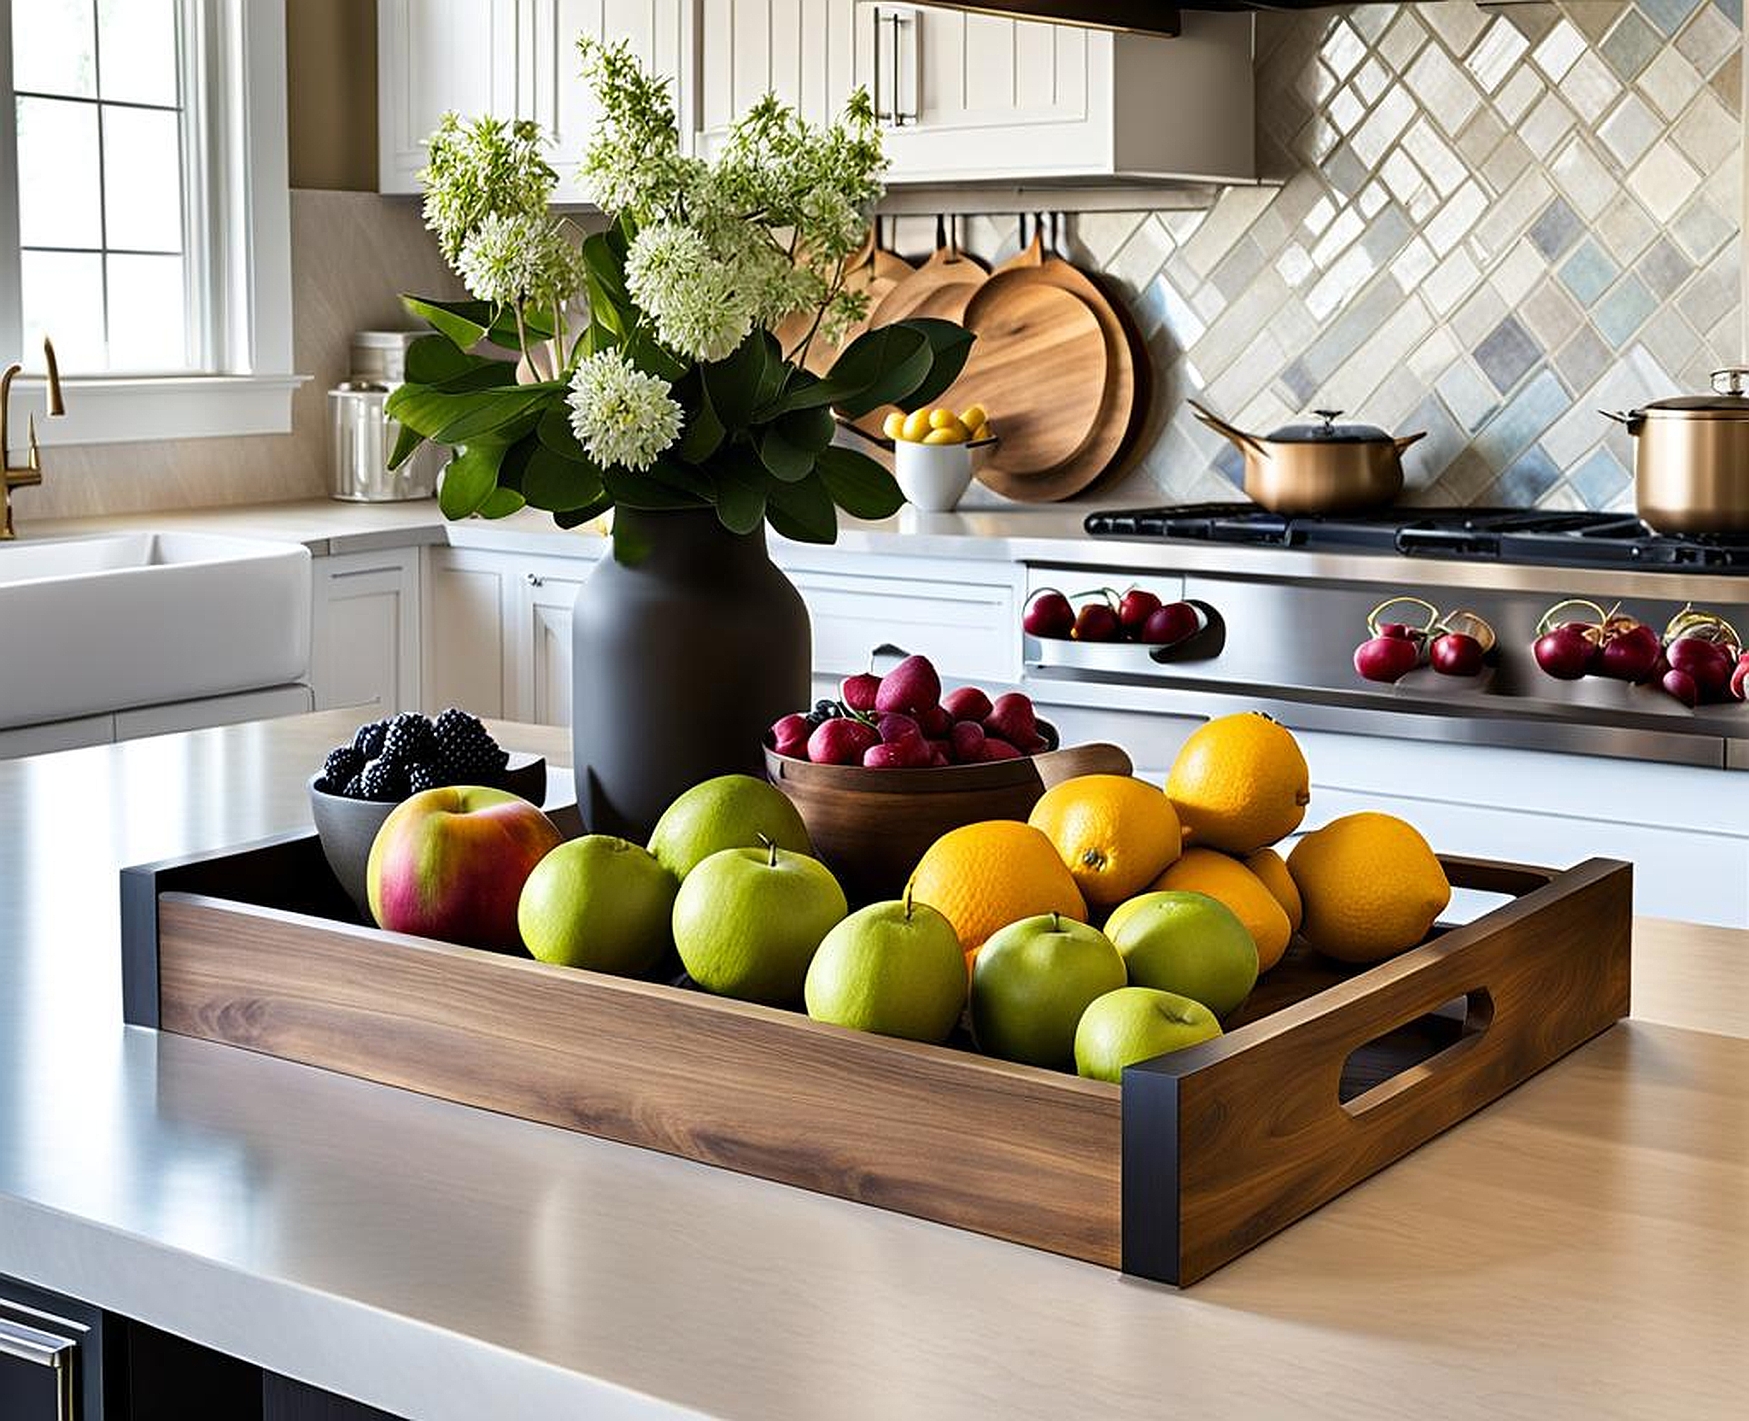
point(488, 412)
point(949, 345)
point(406, 441)
point(501, 503)
point(653, 359)
point(464, 322)
point(683, 477)
point(879, 367)
point(804, 511)
point(433, 359)
point(558, 484)
point(703, 433)
point(577, 517)
point(808, 429)
point(631, 489)
point(858, 485)
point(772, 377)
point(609, 302)
point(741, 487)
point(469, 479)
point(787, 462)
point(734, 382)
point(555, 433)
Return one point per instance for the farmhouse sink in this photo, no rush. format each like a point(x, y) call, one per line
point(90, 625)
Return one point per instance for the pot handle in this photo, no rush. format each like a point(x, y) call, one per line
point(1095, 758)
point(1220, 426)
point(1631, 420)
point(1403, 441)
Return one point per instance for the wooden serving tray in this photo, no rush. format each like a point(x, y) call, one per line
point(1325, 1076)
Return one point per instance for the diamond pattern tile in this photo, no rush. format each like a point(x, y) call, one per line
point(1495, 221)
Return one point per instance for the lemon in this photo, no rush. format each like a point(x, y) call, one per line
point(1240, 783)
point(945, 436)
point(981, 432)
point(893, 426)
point(1115, 833)
point(973, 416)
point(916, 425)
point(1371, 886)
point(943, 419)
point(1228, 881)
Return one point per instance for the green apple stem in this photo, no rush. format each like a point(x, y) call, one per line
point(907, 902)
point(771, 846)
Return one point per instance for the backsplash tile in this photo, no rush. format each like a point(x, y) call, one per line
point(1490, 223)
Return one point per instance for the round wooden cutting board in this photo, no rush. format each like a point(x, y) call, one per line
point(1039, 366)
point(942, 287)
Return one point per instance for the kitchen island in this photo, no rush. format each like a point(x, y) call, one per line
point(1581, 1248)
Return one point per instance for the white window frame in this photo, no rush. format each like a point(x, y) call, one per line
point(243, 188)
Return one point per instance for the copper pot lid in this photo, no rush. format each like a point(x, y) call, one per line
point(1330, 432)
point(1729, 400)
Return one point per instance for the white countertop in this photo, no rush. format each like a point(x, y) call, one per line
point(1579, 1249)
point(1044, 533)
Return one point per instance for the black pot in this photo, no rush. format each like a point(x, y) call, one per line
point(680, 662)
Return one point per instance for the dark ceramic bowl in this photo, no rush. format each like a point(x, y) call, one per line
point(348, 827)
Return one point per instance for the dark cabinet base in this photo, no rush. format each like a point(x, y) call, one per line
point(122, 1370)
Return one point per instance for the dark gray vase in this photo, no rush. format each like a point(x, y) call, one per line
point(679, 665)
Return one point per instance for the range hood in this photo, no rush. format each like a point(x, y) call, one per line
point(1148, 17)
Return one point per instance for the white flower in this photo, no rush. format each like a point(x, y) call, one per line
point(621, 415)
point(698, 300)
point(520, 257)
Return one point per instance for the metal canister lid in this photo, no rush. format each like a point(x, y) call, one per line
point(361, 387)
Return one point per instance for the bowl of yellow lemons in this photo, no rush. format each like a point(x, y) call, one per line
point(934, 453)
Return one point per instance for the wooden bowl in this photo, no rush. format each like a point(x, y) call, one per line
point(348, 827)
point(871, 826)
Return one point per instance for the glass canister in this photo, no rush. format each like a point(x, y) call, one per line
point(363, 438)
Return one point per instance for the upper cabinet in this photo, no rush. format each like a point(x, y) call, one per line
point(963, 98)
point(437, 55)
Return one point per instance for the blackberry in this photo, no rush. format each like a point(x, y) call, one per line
point(342, 764)
point(473, 762)
point(828, 709)
point(409, 741)
point(455, 725)
point(423, 777)
point(369, 740)
point(382, 781)
point(353, 789)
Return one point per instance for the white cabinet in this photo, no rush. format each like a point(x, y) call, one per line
point(364, 630)
point(497, 632)
point(963, 97)
point(981, 98)
point(660, 34)
point(472, 56)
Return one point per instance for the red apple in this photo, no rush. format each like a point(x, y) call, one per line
point(1134, 608)
point(790, 736)
point(1098, 622)
point(910, 688)
point(1012, 719)
point(450, 863)
point(1048, 615)
point(859, 691)
point(1169, 625)
point(966, 703)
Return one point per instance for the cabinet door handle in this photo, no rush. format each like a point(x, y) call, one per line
point(31, 1344)
point(534, 579)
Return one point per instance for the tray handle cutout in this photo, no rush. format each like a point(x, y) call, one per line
point(1413, 1052)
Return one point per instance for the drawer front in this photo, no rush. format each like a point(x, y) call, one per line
point(51, 1364)
point(970, 631)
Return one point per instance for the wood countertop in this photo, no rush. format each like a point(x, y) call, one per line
point(1580, 1249)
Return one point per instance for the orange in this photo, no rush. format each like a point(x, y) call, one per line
point(1115, 833)
point(1372, 887)
point(1240, 783)
point(982, 877)
point(1271, 868)
point(1228, 881)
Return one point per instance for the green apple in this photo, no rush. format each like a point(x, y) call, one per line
point(1032, 981)
point(1187, 943)
point(1137, 1024)
point(729, 812)
point(747, 921)
point(892, 968)
point(598, 902)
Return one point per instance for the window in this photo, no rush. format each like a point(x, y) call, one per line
point(143, 212)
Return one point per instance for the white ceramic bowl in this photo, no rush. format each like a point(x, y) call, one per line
point(932, 477)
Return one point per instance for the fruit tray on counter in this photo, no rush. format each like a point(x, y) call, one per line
point(1327, 1075)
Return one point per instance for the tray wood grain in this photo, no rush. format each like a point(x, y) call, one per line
point(1328, 1075)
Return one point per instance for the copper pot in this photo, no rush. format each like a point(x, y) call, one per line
point(1318, 468)
point(1691, 458)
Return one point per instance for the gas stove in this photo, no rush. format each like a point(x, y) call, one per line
point(1516, 535)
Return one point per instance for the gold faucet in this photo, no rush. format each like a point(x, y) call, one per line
point(31, 472)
